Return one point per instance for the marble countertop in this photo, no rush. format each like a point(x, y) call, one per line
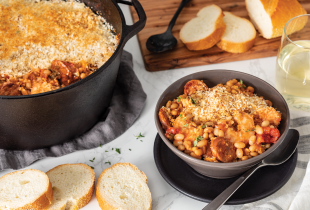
point(141, 154)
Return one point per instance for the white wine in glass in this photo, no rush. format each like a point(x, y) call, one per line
point(293, 64)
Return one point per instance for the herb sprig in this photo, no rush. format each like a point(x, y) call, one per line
point(139, 136)
point(242, 85)
point(199, 138)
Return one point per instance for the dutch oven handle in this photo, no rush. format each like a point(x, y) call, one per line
point(130, 31)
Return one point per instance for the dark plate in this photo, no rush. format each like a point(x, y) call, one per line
point(179, 175)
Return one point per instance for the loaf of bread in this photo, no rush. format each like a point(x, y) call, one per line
point(73, 186)
point(123, 186)
point(205, 30)
point(239, 36)
point(25, 189)
point(270, 16)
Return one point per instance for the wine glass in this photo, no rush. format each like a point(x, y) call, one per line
point(293, 63)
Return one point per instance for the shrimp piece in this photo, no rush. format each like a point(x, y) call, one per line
point(270, 114)
point(245, 121)
point(194, 85)
point(245, 126)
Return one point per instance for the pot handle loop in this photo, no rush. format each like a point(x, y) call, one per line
point(130, 31)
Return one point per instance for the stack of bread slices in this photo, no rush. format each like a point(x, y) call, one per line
point(71, 187)
point(234, 34)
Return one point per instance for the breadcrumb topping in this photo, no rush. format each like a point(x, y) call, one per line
point(217, 103)
point(34, 33)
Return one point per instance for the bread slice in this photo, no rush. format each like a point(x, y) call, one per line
point(239, 36)
point(25, 189)
point(270, 16)
point(205, 30)
point(73, 186)
point(123, 186)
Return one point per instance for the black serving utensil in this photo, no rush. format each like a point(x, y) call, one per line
point(162, 42)
point(279, 156)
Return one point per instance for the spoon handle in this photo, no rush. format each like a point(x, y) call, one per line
point(226, 194)
point(172, 22)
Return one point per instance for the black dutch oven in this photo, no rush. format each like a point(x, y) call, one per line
point(45, 119)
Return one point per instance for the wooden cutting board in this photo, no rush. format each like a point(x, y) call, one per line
point(159, 14)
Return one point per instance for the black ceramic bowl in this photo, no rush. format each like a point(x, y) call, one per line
point(212, 78)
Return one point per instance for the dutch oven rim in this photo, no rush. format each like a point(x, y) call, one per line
point(138, 26)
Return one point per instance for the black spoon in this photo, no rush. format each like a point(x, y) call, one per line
point(166, 41)
point(283, 152)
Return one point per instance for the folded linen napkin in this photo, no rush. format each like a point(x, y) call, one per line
point(295, 194)
point(127, 103)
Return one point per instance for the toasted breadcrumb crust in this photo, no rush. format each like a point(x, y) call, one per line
point(33, 33)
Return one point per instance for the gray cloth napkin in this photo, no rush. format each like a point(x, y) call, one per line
point(127, 103)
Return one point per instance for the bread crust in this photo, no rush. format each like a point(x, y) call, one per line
point(105, 205)
point(42, 201)
point(233, 47)
point(237, 47)
point(83, 201)
point(210, 40)
point(281, 11)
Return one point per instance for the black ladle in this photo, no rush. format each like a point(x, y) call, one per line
point(166, 41)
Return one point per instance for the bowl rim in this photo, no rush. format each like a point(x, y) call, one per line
point(245, 163)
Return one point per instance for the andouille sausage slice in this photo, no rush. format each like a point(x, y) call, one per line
point(209, 156)
point(223, 150)
point(163, 118)
point(194, 85)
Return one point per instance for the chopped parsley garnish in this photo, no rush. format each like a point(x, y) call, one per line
point(106, 151)
point(193, 101)
point(118, 150)
point(108, 163)
point(100, 145)
point(186, 125)
point(17, 32)
point(129, 149)
point(242, 85)
point(203, 126)
point(141, 140)
point(179, 99)
point(199, 138)
point(112, 148)
point(248, 130)
point(91, 167)
point(92, 160)
point(139, 136)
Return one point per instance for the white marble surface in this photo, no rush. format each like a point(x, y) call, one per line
point(141, 154)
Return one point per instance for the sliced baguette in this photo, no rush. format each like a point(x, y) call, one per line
point(239, 36)
point(205, 30)
point(73, 186)
point(25, 190)
point(123, 186)
point(270, 16)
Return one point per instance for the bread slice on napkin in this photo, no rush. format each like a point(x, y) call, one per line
point(205, 30)
point(239, 36)
point(25, 189)
point(270, 16)
point(73, 186)
point(123, 186)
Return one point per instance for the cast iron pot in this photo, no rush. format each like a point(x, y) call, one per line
point(212, 78)
point(45, 119)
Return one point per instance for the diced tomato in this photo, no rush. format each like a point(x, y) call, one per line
point(171, 130)
point(266, 130)
point(270, 135)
